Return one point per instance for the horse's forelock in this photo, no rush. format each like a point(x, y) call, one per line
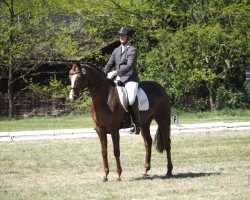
point(72, 67)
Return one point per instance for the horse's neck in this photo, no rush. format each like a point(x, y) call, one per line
point(98, 86)
point(99, 96)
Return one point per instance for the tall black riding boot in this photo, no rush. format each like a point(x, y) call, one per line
point(134, 110)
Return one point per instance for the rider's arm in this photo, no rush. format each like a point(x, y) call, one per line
point(110, 63)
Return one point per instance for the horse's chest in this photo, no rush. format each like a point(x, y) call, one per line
point(99, 118)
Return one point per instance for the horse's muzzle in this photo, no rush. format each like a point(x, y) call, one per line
point(73, 94)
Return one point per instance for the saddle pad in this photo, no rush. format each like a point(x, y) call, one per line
point(143, 103)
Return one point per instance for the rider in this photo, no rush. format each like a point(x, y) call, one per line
point(125, 59)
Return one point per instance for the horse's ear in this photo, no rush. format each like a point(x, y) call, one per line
point(83, 70)
point(78, 64)
point(69, 65)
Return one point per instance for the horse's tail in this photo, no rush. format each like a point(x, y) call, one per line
point(159, 141)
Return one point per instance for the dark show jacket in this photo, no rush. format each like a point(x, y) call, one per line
point(125, 63)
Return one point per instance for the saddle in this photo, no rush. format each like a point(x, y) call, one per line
point(143, 103)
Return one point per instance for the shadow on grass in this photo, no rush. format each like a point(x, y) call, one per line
point(175, 176)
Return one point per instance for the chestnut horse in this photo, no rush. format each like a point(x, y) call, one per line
point(109, 115)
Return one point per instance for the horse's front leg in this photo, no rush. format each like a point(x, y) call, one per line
point(116, 143)
point(145, 132)
point(103, 139)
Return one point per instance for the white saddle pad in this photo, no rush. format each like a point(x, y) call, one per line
point(143, 103)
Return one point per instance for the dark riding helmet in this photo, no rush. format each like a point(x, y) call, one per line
point(125, 30)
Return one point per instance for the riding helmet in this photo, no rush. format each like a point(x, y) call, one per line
point(126, 30)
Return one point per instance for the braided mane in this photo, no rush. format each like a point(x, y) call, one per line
point(96, 68)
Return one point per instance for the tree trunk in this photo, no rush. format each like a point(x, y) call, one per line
point(11, 63)
point(211, 99)
point(10, 90)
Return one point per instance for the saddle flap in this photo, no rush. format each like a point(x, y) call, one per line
point(143, 102)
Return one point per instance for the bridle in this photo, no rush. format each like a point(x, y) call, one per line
point(74, 88)
point(86, 88)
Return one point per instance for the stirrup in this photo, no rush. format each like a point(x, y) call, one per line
point(135, 129)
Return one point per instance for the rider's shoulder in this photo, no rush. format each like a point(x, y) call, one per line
point(117, 48)
point(132, 48)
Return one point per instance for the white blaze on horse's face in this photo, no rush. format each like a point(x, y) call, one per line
point(72, 80)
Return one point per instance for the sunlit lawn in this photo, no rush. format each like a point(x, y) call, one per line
point(206, 166)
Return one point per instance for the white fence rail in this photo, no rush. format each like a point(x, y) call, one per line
point(90, 132)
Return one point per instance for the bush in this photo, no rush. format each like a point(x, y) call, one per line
point(55, 88)
point(58, 90)
point(227, 98)
point(82, 105)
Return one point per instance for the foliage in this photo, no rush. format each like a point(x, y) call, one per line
point(192, 48)
point(82, 105)
point(229, 98)
point(55, 88)
point(29, 30)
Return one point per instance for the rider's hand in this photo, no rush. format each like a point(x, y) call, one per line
point(112, 74)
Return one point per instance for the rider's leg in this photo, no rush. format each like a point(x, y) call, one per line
point(136, 127)
point(132, 88)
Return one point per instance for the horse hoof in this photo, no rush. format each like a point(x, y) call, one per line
point(118, 179)
point(144, 174)
point(169, 175)
point(104, 179)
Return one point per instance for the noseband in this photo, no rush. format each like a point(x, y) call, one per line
point(73, 88)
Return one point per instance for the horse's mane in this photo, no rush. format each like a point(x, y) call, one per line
point(98, 70)
point(95, 68)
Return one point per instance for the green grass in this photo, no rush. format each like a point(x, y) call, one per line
point(206, 166)
point(82, 121)
point(226, 115)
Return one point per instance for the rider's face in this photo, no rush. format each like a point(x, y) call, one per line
point(123, 39)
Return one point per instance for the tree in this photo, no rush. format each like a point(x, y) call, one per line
point(214, 48)
point(195, 49)
point(30, 30)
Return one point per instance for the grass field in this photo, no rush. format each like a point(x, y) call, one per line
point(82, 121)
point(206, 166)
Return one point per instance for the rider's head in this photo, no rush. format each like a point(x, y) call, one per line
point(125, 33)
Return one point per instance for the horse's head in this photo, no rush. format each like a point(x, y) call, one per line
point(76, 77)
point(85, 75)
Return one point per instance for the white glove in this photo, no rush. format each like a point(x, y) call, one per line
point(112, 74)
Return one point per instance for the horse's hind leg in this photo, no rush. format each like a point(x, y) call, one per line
point(168, 149)
point(145, 132)
point(164, 138)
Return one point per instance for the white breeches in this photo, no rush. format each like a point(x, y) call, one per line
point(132, 88)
